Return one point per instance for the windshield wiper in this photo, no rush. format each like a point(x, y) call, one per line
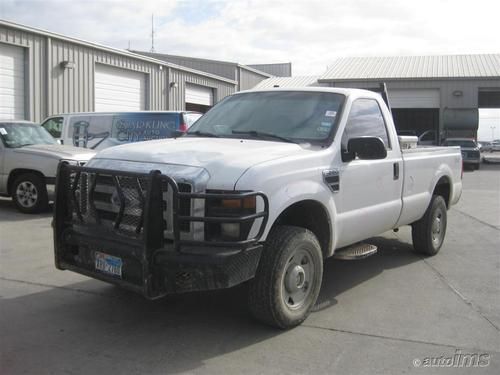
point(258, 134)
point(202, 134)
point(26, 144)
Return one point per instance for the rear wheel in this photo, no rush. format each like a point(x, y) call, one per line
point(478, 166)
point(288, 279)
point(29, 193)
point(428, 233)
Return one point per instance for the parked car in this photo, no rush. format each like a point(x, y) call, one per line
point(28, 164)
point(262, 188)
point(495, 145)
point(470, 150)
point(484, 146)
point(100, 130)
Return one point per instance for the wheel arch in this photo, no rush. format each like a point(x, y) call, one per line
point(17, 172)
point(443, 188)
point(312, 215)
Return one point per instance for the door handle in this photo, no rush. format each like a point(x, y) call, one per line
point(395, 168)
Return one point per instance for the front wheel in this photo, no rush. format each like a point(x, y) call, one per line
point(428, 233)
point(29, 193)
point(288, 278)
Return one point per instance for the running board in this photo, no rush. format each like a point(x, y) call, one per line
point(355, 252)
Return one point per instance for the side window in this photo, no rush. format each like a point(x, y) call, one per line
point(365, 119)
point(54, 126)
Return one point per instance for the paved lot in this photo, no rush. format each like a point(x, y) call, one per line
point(375, 316)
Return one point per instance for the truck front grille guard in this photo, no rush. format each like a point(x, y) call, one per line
point(135, 207)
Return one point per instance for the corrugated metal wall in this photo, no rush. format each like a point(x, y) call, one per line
point(73, 89)
point(36, 68)
point(278, 70)
point(449, 102)
point(469, 89)
point(219, 68)
point(248, 79)
point(178, 94)
point(53, 89)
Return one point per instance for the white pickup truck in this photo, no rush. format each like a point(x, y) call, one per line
point(262, 188)
point(29, 157)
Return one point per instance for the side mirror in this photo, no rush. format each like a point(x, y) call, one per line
point(368, 148)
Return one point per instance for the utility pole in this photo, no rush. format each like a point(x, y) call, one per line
point(152, 34)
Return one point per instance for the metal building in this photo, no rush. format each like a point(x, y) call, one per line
point(440, 93)
point(44, 73)
point(245, 76)
point(277, 70)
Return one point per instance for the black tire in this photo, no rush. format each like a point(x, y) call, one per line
point(279, 272)
point(429, 232)
point(478, 166)
point(35, 198)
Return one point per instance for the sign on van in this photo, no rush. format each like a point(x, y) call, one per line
point(136, 128)
point(106, 131)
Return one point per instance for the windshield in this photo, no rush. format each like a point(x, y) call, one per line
point(298, 116)
point(16, 134)
point(460, 142)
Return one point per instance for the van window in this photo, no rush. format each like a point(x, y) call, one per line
point(54, 126)
point(115, 129)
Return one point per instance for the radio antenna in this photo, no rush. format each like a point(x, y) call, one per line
point(152, 34)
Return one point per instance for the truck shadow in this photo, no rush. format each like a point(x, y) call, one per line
point(93, 327)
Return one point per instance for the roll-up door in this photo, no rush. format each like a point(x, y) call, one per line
point(12, 82)
point(416, 98)
point(119, 90)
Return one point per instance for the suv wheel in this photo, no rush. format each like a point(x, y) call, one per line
point(29, 193)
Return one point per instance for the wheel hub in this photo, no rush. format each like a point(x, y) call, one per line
point(27, 194)
point(296, 282)
point(296, 278)
point(436, 229)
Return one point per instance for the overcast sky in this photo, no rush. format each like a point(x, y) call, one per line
point(311, 34)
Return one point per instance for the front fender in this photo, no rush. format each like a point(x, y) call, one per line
point(289, 194)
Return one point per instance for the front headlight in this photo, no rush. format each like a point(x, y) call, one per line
point(73, 162)
point(230, 208)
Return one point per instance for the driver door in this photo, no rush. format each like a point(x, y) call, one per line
point(369, 199)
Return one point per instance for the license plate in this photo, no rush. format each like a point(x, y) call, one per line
point(108, 264)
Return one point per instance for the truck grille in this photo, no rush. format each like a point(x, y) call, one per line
point(117, 202)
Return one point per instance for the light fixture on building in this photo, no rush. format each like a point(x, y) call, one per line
point(458, 93)
point(173, 85)
point(67, 64)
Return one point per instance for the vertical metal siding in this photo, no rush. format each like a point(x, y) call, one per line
point(219, 68)
point(177, 95)
point(35, 76)
point(248, 79)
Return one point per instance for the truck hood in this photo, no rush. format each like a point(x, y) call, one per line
point(225, 159)
point(58, 152)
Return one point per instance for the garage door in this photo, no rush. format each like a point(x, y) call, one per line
point(416, 98)
point(199, 95)
point(11, 82)
point(119, 90)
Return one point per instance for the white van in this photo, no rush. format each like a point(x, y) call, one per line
point(99, 130)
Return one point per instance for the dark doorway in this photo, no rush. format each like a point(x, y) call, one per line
point(489, 99)
point(416, 121)
point(197, 107)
